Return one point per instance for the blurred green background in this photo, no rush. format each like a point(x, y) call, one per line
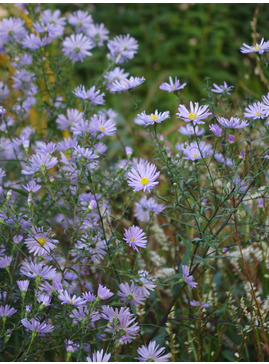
point(191, 41)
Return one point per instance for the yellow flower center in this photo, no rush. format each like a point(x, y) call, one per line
point(258, 113)
point(192, 116)
point(41, 240)
point(195, 155)
point(144, 181)
point(154, 117)
point(132, 239)
point(72, 301)
point(257, 47)
point(102, 128)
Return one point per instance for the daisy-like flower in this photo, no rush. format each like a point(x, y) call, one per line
point(187, 277)
point(40, 162)
point(222, 89)
point(234, 123)
point(172, 86)
point(100, 126)
point(36, 326)
point(152, 352)
point(196, 151)
point(40, 243)
point(94, 96)
point(142, 176)
point(151, 119)
point(144, 283)
point(130, 294)
point(145, 207)
point(74, 301)
point(32, 187)
point(98, 34)
point(196, 114)
point(191, 130)
point(99, 356)
point(7, 311)
point(257, 48)
point(135, 237)
point(34, 270)
point(11, 29)
point(73, 116)
point(117, 74)
point(255, 111)
point(81, 20)
point(122, 48)
point(33, 42)
point(5, 262)
point(23, 285)
point(77, 47)
point(216, 129)
point(126, 84)
point(104, 293)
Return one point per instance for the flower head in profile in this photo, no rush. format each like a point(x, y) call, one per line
point(157, 117)
point(187, 277)
point(74, 300)
point(99, 356)
point(257, 48)
point(77, 47)
point(191, 130)
point(196, 114)
point(122, 48)
point(142, 176)
point(135, 237)
point(234, 123)
point(104, 293)
point(172, 86)
point(196, 151)
point(216, 129)
point(7, 311)
point(39, 162)
point(117, 74)
point(146, 207)
point(37, 326)
point(222, 89)
point(94, 96)
point(126, 84)
point(152, 352)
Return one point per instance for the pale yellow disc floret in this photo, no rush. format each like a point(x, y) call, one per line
point(192, 116)
point(42, 240)
point(144, 181)
point(102, 128)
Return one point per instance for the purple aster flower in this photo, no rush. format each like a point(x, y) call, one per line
point(86, 153)
point(44, 299)
point(71, 346)
point(100, 126)
point(40, 162)
point(151, 119)
point(74, 301)
point(104, 293)
point(53, 18)
point(5, 262)
point(234, 123)
point(152, 352)
point(126, 84)
point(187, 278)
point(142, 176)
point(196, 151)
point(195, 303)
point(172, 86)
point(45, 148)
point(241, 184)
point(196, 114)
point(81, 20)
point(40, 243)
point(231, 138)
point(144, 283)
point(222, 89)
point(33, 42)
point(99, 356)
point(220, 158)
point(98, 34)
point(4, 91)
point(35, 325)
point(66, 144)
point(258, 48)
point(33, 270)
point(77, 47)
point(255, 111)
point(135, 237)
point(117, 74)
point(216, 129)
point(191, 130)
point(130, 294)
point(7, 311)
point(145, 207)
point(89, 296)
point(91, 95)
point(23, 285)
point(22, 79)
point(73, 116)
point(122, 48)
point(11, 29)
point(32, 187)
